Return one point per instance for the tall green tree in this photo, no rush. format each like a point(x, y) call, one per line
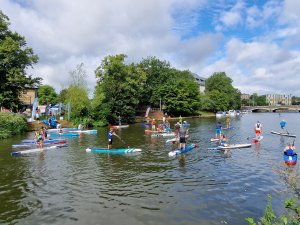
point(62, 95)
point(77, 93)
point(180, 93)
point(47, 95)
point(119, 88)
point(157, 73)
point(220, 84)
point(15, 58)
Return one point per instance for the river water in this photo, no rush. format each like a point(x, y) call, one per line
point(70, 186)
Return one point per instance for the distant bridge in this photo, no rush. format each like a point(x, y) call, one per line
point(272, 108)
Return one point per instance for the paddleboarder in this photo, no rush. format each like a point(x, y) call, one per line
point(289, 149)
point(282, 125)
point(223, 140)
point(153, 122)
point(111, 132)
point(218, 130)
point(258, 129)
point(182, 137)
point(228, 122)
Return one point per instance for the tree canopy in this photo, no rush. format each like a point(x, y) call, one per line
point(223, 95)
point(47, 95)
point(15, 58)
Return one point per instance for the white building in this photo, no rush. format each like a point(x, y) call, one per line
point(276, 99)
point(200, 81)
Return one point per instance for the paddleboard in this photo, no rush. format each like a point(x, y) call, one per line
point(173, 140)
point(63, 134)
point(232, 146)
point(119, 126)
point(113, 151)
point(145, 124)
point(63, 129)
point(283, 134)
point(37, 150)
point(32, 141)
point(86, 131)
point(36, 144)
point(178, 151)
point(214, 139)
point(155, 131)
point(290, 159)
point(227, 128)
point(163, 135)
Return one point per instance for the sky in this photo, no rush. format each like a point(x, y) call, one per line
point(256, 42)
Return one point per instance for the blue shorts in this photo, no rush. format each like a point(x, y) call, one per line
point(218, 131)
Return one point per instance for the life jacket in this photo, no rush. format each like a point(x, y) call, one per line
point(290, 152)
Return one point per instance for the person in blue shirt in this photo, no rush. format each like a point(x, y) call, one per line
point(110, 134)
point(282, 125)
point(289, 149)
point(218, 130)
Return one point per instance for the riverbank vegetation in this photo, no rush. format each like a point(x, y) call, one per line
point(292, 217)
point(11, 124)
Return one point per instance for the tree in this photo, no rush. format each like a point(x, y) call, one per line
point(119, 88)
point(15, 58)
point(221, 84)
point(77, 93)
point(47, 95)
point(62, 95)
point(180, 93)
point(157, 73)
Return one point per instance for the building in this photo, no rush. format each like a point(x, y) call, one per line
point(200, 81)
point(275, 99)
point(245, 96)
point(27, 98)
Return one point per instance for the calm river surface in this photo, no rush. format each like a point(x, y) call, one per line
point(70, 186)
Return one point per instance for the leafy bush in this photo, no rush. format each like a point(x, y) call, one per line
point(11, 124)
point(269, 218)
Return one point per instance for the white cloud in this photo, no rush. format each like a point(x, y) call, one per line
point(259, 67)
point(65, 33)
point(233, 16)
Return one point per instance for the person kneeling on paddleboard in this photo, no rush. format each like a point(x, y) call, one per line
point(289, 149)
point(223, 140)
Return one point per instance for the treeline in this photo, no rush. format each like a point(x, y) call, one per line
point(122, 88)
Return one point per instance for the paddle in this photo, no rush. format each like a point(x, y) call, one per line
point(121, 139)
point(287, 131)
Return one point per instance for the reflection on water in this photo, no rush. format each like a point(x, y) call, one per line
point(70, 186)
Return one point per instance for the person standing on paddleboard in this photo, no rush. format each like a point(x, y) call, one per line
point(153, 124)
point(228, 122)
point(218, 130)
point(183, 133)
point(110, 134)
point(258, 129)
point(282, 125)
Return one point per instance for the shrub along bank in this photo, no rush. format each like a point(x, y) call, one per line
point(11, 124)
